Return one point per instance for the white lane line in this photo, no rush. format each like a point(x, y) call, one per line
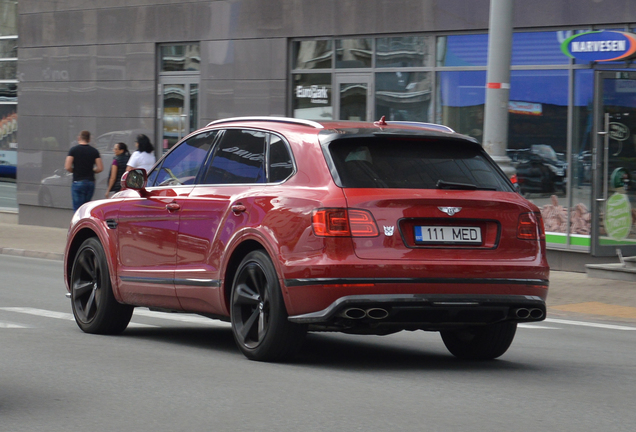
point(538, 327)
point(589, 324)
point(57, 315)
point(10, 325)
point(193, 319)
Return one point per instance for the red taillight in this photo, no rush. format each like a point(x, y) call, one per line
point(338, 222)
point(530, 227)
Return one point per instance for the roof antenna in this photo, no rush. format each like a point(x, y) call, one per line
point(381, 122)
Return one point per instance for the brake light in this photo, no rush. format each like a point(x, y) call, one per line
point(339, 222)
point(530, 227)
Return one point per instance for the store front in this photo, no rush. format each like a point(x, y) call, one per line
point(558, 106)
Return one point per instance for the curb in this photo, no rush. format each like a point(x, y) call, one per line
point(32, 254)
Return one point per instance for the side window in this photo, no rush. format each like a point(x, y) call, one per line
point(182, 164)
point(280, 161)
point(239, 158)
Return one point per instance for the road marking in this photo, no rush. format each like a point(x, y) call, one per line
point(589, 324)
point(598, 308)
point(538, 327)
point(57, 315)
point(9, 325)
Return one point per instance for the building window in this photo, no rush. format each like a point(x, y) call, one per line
point(180, 58)
point(354, 53)
point(311, 96)
point(313, 54)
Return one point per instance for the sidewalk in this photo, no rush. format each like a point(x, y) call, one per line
point(571, 294)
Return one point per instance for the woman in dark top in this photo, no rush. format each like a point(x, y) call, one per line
point(118, 168)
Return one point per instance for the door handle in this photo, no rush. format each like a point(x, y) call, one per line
point(238, 208)
point(173, 206)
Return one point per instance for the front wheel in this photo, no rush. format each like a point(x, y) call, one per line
point(480, 343)
point(94, 306)
point(259, 318)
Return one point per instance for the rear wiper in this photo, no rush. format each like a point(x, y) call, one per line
point(441, 184)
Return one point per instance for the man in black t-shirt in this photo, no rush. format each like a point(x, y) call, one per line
point(84, 162)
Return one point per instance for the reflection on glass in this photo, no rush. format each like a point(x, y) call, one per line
point(8, 69)
point(353, 101)
point(8, 18)
point(178, 58)
point(8, 92)
point(461, 97)
point(353, 53)
point(406, 51)
point(314, 54)
point(403, 96)
point(311, 97)
point(462, 50)
point(9, 48)
point(194, 107)
point(174, 124)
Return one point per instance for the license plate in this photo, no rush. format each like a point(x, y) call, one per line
point(448, 235)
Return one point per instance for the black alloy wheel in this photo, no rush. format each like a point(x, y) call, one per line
point(94, 306)
point(259, 318)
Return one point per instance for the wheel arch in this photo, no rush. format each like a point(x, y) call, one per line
point(233, 262)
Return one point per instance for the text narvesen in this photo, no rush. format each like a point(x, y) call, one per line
point(596, 46)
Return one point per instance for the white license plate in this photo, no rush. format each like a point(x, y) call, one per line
point(448, 235)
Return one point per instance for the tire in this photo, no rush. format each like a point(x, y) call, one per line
point(258, 314)
point(480, 343)
point(94, 306)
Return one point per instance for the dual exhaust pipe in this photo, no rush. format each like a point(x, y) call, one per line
point(523, 313)
point(359, 313)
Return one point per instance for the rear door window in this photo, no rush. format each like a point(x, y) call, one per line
point(411, 163)
point(239, 158)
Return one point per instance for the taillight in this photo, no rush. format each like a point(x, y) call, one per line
point(339, 222)
point(530, 227)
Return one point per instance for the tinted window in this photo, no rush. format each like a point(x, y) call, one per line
point(413, 164)
point(238, 158)
point(182, 164)
point(280, 161)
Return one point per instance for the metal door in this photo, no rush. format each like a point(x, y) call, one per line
point(178, 109)
point(614, 163)
point(353, 99)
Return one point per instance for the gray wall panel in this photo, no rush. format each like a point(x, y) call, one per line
point(83, 99)
point(82, 63)
point(140, 99)
point(140, 61)
point(111, 62)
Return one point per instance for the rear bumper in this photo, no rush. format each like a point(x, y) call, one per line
point(388, 313)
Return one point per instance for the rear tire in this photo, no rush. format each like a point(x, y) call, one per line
point(94, 306)
point(258, 314)
point(480, 343)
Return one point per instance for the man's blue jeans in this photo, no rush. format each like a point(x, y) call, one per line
point(82, 192)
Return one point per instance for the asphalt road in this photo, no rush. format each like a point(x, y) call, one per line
point(172, 372)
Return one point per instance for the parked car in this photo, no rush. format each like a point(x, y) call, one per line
point(282, 226)
point(7, 170)
point(540, 169)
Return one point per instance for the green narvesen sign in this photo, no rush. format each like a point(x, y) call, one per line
point(618, 216)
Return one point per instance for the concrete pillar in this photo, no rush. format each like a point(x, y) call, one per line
point(498, 83)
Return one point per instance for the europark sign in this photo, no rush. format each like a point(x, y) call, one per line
point(600, 46)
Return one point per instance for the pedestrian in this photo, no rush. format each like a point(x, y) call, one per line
point(84, 162)
point(144, 157)
point(118, 167)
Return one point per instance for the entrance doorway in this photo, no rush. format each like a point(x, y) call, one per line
point(178, 108)
point(353, 99)
point(614, 164)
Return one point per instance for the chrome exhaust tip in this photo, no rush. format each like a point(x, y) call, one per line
point(377, 313)
point(536, 313)
point(354, 313)
point(522, 313)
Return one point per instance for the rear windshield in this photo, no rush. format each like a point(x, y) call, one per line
point(409, 163)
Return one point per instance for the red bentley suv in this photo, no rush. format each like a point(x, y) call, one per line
point(282, 226)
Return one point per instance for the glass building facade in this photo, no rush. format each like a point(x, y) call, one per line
point(8, 104)
point(164, 69)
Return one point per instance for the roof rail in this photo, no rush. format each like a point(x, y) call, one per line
point(422, 124)
point(270, 119)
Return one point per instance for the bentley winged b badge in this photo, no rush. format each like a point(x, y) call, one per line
point(450, 210)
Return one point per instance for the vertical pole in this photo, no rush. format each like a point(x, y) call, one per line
point(498, 83)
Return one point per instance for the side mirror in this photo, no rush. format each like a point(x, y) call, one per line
point(135, 180)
